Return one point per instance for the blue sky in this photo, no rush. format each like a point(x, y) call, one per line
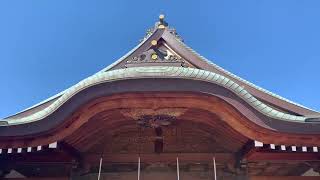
point(47, 46)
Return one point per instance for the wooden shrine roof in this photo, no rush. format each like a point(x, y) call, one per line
point(162, 61)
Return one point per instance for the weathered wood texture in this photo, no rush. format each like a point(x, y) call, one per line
point(214, 105)
point(283, 156)
point(184, 137)
point(155, 158)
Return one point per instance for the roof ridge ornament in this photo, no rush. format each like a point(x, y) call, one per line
point(162, 23)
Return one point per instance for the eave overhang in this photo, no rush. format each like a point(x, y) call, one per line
point(194, 80)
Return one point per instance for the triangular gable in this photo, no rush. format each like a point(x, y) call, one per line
point(154, 51)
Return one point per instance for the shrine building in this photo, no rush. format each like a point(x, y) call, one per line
point(162, 112)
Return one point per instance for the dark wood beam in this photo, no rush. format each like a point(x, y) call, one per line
point(63, 158)
point(162, 157)
point(37, 158)
point(245, 151)
point(79, 165)
point(71, 151)
point(282, 156)
point(251, 153)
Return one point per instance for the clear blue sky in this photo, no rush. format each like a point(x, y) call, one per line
point(47, 46)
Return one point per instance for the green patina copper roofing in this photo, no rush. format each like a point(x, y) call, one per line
point(159, 72)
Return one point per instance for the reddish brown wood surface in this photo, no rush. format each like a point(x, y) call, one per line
point(285, 156)
point(154, 158)
point(184, 136)
point(214, 105)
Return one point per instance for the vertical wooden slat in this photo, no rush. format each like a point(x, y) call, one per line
point(139, 168)
point(214, 168)
point(100, 166)
point(178, 170)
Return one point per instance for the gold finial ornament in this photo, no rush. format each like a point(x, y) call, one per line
point(162, 24)
point(154, 42)
point(161, 17)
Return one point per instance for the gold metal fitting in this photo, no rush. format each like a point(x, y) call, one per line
point(154, 56)
point(161, 26)
point(154, 42)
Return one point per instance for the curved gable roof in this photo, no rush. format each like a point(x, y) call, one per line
point(269, 99)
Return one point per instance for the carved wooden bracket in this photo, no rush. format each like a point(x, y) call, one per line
point(154, 118)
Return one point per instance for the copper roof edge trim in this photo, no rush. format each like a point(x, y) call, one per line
point(159, 72)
